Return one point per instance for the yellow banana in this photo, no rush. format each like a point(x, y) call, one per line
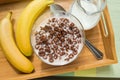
point(11, 52)
point(25, 23)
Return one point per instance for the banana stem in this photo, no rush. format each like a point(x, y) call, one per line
point(9, 15)
point(50, 2)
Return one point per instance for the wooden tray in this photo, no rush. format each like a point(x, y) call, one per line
point(85, 60)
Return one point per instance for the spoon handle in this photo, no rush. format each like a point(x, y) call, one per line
point(97, 53)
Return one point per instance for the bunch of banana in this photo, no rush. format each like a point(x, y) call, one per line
point(25, 23)
point(13, 53)
point(9, 47)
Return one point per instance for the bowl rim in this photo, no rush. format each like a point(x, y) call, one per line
point(81, 30)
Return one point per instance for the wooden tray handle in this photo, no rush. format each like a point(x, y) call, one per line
point(108, 34)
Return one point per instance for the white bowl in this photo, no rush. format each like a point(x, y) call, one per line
point(61, 14)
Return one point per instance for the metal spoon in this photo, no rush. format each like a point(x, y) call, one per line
point(97, 53)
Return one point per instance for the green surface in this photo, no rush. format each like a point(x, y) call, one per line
point(86, 73)
point(112, 70)
point(74, 78)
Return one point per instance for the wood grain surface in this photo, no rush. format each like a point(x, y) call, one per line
point(85, 60)
point(8, 1)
